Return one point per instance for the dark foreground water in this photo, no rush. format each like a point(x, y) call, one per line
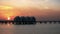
point(30, 29)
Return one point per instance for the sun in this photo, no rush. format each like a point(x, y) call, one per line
point(8, 18)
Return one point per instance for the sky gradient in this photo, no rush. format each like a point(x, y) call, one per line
point(44, 9)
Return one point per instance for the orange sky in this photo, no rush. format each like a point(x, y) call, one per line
point(41, 8)
point(10, 12)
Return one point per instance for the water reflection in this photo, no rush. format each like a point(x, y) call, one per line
point(10, 28)
point(6, 28)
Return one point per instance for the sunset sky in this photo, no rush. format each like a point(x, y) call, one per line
point(44, 9)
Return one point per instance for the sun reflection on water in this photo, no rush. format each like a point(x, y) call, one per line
point(6, 28)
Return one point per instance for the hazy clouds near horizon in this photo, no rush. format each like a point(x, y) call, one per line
point(42, 4)
point(44, 9)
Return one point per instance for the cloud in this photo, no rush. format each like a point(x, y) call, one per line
point(41, 4)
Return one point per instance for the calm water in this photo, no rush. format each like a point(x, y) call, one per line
point(30, 29)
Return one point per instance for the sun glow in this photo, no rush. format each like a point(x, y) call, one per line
point(6, 7)
point(8, 18)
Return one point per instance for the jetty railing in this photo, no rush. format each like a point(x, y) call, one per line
point(29, 22)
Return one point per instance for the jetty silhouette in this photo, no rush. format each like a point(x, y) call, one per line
point(26, 20)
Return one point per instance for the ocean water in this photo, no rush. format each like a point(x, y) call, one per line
point(30, 29)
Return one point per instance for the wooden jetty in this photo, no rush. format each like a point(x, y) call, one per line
point(28, 22)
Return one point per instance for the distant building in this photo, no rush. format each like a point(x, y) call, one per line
point(24, 20)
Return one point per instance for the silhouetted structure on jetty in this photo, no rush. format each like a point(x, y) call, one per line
point(24, 20)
